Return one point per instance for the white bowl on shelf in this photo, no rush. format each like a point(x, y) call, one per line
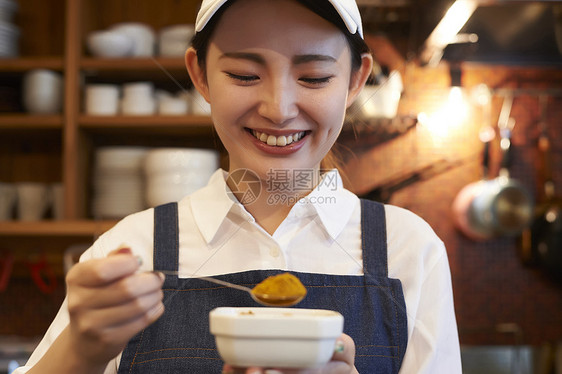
point(109, 44)
point(174, 40)
point(187, 178)
point(126, 186)
point(136, 90)
point(143, 37)
point(165, 188)
point(120, 158)
point(275, 337)
point(171, 160)
point(113, 209)
point(102, 99)
point(141, 106)
point(7, 10)
point(172, 106)
point(9, 37)
point(42, 91)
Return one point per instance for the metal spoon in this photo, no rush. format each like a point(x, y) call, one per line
point(280, 300)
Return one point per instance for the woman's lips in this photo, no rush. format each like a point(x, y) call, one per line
point(278, 144)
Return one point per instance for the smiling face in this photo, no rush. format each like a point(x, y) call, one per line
point(279, 79)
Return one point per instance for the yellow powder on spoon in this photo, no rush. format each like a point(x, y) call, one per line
point(282, 286)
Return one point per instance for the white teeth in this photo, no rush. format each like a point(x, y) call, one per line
point(279, 141)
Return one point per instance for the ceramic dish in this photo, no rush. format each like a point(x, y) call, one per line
point(275, 337)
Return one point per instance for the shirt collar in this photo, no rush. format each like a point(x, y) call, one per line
point(211, 204)
point(329, 200)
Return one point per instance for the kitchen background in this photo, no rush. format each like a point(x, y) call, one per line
point(418, 151)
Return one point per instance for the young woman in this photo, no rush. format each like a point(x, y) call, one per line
point(279, 75)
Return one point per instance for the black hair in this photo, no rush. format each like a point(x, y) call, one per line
point(324, 9)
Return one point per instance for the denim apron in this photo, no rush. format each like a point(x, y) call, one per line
point(180, 342)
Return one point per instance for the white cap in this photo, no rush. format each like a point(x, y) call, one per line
point(347, 9)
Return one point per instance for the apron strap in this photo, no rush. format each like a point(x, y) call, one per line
point(166, 237)
point(373, 238)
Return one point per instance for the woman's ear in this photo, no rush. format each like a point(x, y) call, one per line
point(359, 78)
point(196, 73)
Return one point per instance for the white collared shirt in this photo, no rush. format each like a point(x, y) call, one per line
point(321, 234)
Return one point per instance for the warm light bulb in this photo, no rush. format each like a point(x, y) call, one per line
point(451, 115)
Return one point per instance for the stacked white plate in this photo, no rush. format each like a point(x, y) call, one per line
point(9, 33)
point(172, 173)
point(138, 98)
point(118, 182)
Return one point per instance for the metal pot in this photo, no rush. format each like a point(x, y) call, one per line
point(490, 208)
point(502, 207)
point(498, 207)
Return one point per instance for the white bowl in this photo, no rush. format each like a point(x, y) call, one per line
point(198, 178)
point(174, 40)
point(120, 158)
point(110, 44)
point(172, 106)
point(181, 31)
point(141, 106)
point(102, 99)
point(137, 90)
point(7, 10)
point(114, 209)
point(275, 337)
point(143, 37)
point(43, 91)
point(172, 160)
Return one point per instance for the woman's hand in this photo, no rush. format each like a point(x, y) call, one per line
point(108, 303)
point(342, 362)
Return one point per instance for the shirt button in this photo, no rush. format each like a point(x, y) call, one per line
point(274, 252)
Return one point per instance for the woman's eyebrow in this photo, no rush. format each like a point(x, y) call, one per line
point(303, 59)
point(297, 60)
point(244, 56)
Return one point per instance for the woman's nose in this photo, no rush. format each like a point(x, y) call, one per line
point(278, 102)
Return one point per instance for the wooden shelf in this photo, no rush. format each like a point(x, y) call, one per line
point(148, 124)
point(55, 228)
point(18, 121)
point(157, 69)
point(144, 121)
point(128, 64)
point(23, 64)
